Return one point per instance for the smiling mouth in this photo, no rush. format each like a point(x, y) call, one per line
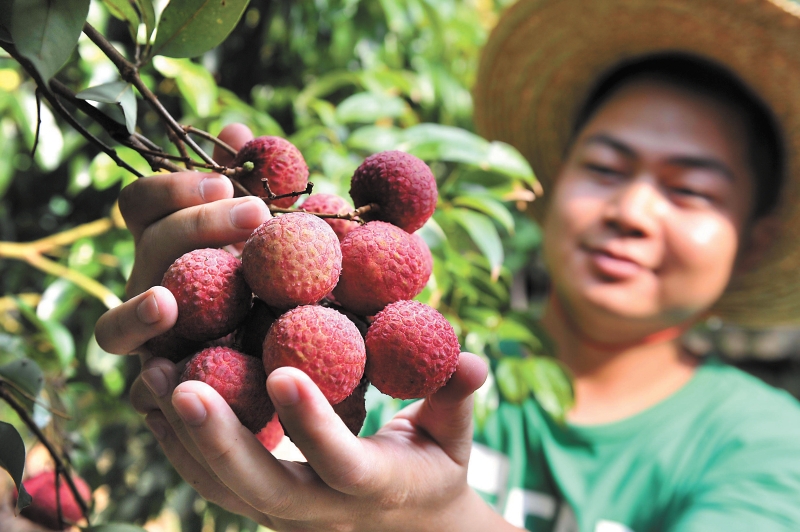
point(613, 267)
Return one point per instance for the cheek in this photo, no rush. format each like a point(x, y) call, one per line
point(569, 216)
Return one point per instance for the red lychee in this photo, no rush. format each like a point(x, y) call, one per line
point(402, 185)
point(279, 162)
point(44, 506)
point(331, 204)
point(412, 350)
point(323, 343)
point(255, 327)
point(293, 259)
point(272, 434)
point(353, 410)
point(381, 264)
point(239, 379)
point(212, 295)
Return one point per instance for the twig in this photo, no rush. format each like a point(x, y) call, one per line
point(38, 93)
point(208, 136)
point(129, 73)
point(31, 398)
point(352, 216)
point(23, 414)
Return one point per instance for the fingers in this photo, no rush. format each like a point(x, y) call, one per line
point(330, 448)
point(447, 415)
point(235, 136)
point(124, 328)
point(150, 199)
point(281, 489)
point(194, 473)
point(215, 224)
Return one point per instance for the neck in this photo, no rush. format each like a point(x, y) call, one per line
point(615, 380)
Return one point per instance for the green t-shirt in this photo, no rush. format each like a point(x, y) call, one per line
point(720, 454)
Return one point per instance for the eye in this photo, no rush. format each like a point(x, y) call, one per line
point(602, 170)
point(690, 194)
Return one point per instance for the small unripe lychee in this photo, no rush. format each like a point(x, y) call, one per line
point(279, 162)
point(293, 259)
point(381, 264)
point(212, 295)
point(353, 410)
point(44, 505)
point(323, 343)
point(272, 434)
point(239, 379)
point(412, 350)
point(331, 204)
point(402, 185)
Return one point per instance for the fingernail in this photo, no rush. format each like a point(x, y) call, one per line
point(248, 214)
point(147, 311)
point(157, 381)
point(190, 408)
point(284, 390)
point(214, 188)
point(157, 428)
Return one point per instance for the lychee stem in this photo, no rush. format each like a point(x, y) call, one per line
point(352, 215)
point(271, 196)
point(208, 136)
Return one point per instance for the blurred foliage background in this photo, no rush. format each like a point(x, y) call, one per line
point(341, 79)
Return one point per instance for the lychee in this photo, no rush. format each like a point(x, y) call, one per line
point(279, 162)
point(44, 506)
point(323, 343)
point(381, 264)
point(212, 295)
point(255, 326)
point(293, 259)
point(353, 410)
point(331, 204)
point(402, 185)
point(272, 434)
point(239, 379)
point(412, 350)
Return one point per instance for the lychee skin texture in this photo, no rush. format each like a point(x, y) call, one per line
point(239, 379)
point(291, 260)
point(381, 264)
point(321, 342)
point(272, 434)
point(277, 160)
point(412, 350)
point(401, 184)
point(331, 204)
point(44, 506)
point(212, 295)
point(353, 410)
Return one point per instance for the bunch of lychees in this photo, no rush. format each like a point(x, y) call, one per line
point(327, 288)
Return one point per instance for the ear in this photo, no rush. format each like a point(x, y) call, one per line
point(758, 238)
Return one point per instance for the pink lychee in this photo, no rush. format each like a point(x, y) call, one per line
point(279, 162)
point(331, 204)
point(44, 505)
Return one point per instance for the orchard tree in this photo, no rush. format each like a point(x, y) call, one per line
point(96, 94)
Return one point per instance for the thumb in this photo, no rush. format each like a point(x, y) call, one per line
point(447, 415)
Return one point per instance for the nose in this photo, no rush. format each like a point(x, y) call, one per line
point(635, 208)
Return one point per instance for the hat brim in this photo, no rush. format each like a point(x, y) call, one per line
point(545, 56)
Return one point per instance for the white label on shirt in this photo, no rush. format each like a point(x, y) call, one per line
point(521, 503)
point(488, 470)
point(610, 526)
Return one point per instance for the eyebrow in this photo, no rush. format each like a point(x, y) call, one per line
point(684, 161)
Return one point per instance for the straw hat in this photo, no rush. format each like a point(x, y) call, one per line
point(544, 57)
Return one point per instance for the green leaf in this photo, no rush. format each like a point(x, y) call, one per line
point(46, 32)
point(6, 8)
point(114, 527)
point(511, 384)
point(58, 335)
point(125, 11)
point(445, 143)
point(551, 384)
point(148, 17)
point(484, 234)
point(115, 92)
point(505, 159)
point(373, 139)
point(25, 374)
point(189, 28)
point(367, 107)
point(488, 206)
point(195, 82)
point(12, 459)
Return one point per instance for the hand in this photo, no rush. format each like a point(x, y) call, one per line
point(169, 215)
point(410, 476)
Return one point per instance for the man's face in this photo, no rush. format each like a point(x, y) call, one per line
point(646, 217)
